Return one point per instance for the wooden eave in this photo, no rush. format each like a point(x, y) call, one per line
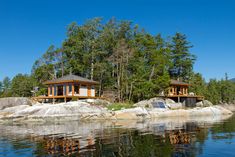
point(175, 84)
point(69, 81)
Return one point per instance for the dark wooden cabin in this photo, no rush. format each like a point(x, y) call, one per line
point(179, 92)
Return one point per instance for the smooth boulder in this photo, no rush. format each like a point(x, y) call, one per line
point(14, 101)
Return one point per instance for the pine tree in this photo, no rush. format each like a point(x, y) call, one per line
point(182, 59)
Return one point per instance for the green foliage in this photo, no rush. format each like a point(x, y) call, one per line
point(198, 84)
point(41, 91)
point(6, 87)
point(6, 84)
point(119, 106)
point(116, 54)
point(22, 85)
point(216, 91)
point(74, 99)
point(1, 87)
point(182, 60)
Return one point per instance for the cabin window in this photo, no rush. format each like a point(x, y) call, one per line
point(55, 90)
point(65, 90)
point(60, 90)
point(50, 90)
point(76, 89)
point(70, 88)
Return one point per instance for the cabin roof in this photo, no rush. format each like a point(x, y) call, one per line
point(70, 78)
point(180, 83)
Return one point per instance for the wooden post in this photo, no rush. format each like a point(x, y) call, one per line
point(48, 90)
point(53, 94)
point(67, 89)
point(94, 91)
point(88, 91)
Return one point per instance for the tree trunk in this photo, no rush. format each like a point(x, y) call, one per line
point(152, 73)
point(118, 83)
point(130, 94)
point(100, 86)
point(62, 68)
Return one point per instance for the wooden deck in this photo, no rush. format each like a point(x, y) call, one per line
point(60, 97)
point(65, 98)
point(186, 96)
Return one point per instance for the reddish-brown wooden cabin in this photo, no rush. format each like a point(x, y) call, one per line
point(68, 87)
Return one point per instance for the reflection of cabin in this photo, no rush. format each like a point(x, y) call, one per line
point(178, 91)
point(66, 146)
point(68, 87)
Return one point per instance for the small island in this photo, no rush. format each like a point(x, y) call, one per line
point(124, 78)
point(114, 70)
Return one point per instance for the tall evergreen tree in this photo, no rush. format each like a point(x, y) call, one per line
point(182, 59)
point(198, 84)
point(6, 84)
point(22, 85)
point(1, 86)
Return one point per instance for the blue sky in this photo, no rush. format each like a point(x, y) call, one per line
point(28, 28)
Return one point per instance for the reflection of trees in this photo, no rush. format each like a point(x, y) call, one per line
point(224, 130)
point(155, 139)
point(225, 127)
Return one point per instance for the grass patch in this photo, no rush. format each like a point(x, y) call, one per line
point(119, 106)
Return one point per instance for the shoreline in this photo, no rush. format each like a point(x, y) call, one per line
point(84, 111)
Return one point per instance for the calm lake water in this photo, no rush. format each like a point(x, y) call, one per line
point(204, 136)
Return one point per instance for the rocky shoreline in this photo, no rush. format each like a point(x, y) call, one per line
point(23, 110)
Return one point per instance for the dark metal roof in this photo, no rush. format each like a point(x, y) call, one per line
point(175, 82)
point(71, 78)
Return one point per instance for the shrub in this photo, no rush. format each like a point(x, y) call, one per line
point(119, 106)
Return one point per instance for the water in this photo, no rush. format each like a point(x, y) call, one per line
point(204, 136)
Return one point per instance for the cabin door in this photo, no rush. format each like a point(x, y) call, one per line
point(89, 91)
point(60, 89)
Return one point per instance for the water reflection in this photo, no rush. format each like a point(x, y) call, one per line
point(160, 137)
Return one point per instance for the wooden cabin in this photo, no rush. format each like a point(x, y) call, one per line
point(178, 88)
point(178, 91)
point(68, 87)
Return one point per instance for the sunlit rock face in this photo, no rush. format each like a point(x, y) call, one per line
point(230, 107)
point(204, 103)
point(72, 110)
point(90, 110)
point(168, 103)
point(14, 101)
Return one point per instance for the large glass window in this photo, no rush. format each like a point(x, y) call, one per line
point(50, 90)
point(76, 89)
point(70, 88)
point(65, 90)
point(55, 90)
